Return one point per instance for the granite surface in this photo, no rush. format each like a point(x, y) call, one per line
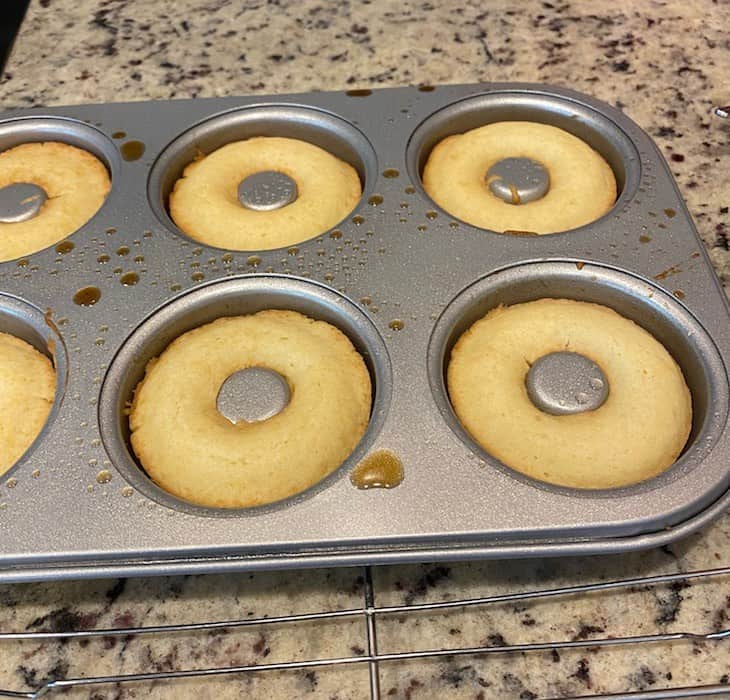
point(666, 64)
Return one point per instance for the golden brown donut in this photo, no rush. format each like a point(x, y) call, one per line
point(75, 181)
point(28, 385)
point(195, 453)
point(582, 184)
point(636, 434)
point(204, 202)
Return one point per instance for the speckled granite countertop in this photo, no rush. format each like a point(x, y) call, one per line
point(666, 64)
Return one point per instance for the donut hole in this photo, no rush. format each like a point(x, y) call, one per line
point(16, 132)
point(569, 114)
point(253, 395)
point(28, 323)
point(318, 127)
point(234, 297)
point(634, 298)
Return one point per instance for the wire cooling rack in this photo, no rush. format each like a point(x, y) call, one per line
point(370, 613)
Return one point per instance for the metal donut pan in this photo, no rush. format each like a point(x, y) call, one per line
point(402, 278)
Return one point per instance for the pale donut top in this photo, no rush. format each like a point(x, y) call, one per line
point(638, 432)
point(582, 185)
point(75, 181)
point(204, 202)
point(194, 452)
point(28, 383)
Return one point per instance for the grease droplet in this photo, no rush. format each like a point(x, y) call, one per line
point(119, 134)
point(396, 325)
point(132, 150)
point(390, 173)
point(359, 92)
point(375, 200)
point(123, 250)
point(670, 213)
point(87, 296)
point(381, 470)
point(358, 220)
point(127, 491)
point(103, 259)
point(253, 261)
point(431, 215)
point(64, 247)
point(104, 476)
point(129, 279)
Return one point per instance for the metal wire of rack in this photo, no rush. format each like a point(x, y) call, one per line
point(369, 612)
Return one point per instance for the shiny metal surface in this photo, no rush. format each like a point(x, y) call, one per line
point(518, 180)
point(401, 282)
point(563, 383)
point(267, 191)
point(253, 394)
point(20, 201)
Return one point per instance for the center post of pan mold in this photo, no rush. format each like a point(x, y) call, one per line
point(518, 180)
point(563, 383)
point(267, 190)
point(252, 395)
point(20, 201)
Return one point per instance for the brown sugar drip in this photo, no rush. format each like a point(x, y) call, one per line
point(380, 470)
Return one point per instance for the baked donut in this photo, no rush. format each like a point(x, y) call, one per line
point(195, 453)
point(582, 186)
point(28, 383)
point(637, 433)
point(75, 182)
point(204, 202)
